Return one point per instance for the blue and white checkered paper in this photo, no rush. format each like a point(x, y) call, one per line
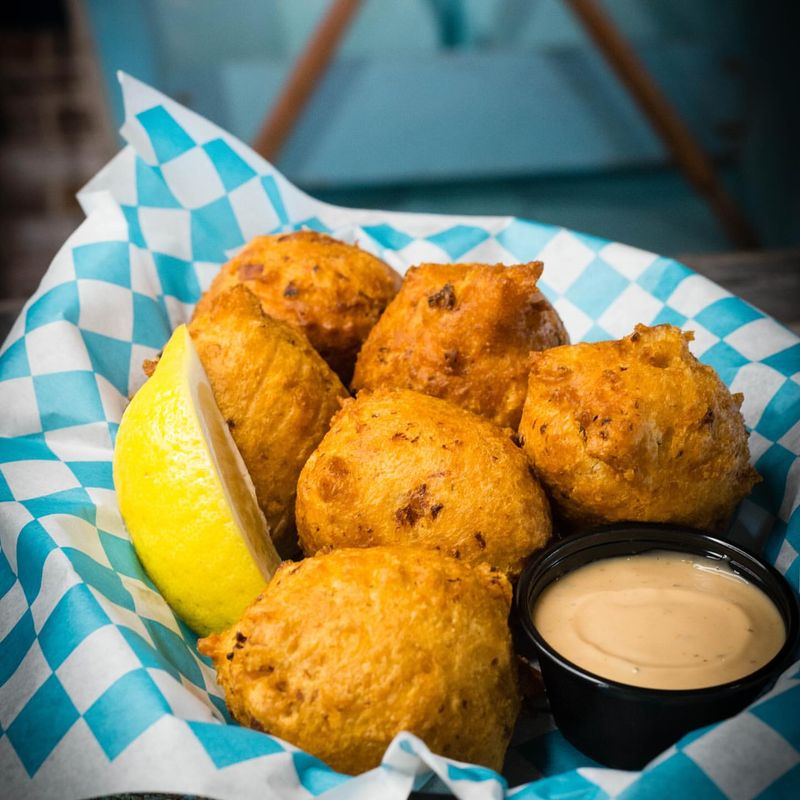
point(101, 687)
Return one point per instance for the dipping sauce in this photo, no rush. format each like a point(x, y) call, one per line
point(661, 620)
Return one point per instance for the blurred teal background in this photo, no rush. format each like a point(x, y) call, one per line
point(492, 106)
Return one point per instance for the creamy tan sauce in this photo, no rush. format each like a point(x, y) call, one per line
point(660, 619)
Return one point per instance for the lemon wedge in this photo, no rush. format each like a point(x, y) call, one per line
point(186, 497)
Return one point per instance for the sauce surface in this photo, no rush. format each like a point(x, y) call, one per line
point(661, 620)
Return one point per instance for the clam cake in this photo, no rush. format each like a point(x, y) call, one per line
point(463, 332)
point(333, 291)
point(636, 429)
point(400, 467)
point(275, 392)
point(343, 651)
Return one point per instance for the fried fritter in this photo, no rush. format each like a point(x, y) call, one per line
point(276, 393)
point(333, 291)
point(636, 429)
point(462, 332)
point(400, 467)
point(343, 651)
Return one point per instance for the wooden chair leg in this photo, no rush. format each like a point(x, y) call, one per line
point(689, 156)
point(306, 74)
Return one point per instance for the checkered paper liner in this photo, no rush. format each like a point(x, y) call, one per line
point(101, 687)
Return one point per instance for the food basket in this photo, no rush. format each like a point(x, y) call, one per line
point(101, 687)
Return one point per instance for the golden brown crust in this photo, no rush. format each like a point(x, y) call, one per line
point(343, 651)
point(400, 467)
point(333, 291)
point(462, 332)
point(274, 390)
point(636, 429)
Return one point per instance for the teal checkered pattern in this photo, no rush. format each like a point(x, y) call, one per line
point(101, 687)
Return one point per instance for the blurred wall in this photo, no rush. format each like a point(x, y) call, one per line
point(455, 90)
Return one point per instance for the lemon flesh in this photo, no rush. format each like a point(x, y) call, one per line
point(186, 497)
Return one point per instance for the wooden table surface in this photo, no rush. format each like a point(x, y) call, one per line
point(770, 279)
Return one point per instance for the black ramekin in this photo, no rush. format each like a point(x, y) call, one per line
point(625, 726)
